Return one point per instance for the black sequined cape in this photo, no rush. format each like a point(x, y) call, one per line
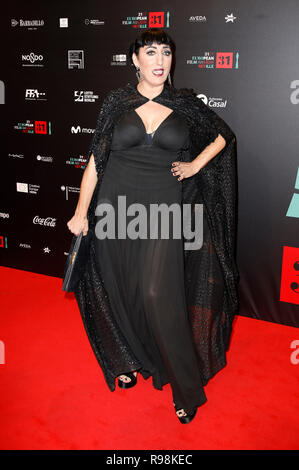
point(211, 273)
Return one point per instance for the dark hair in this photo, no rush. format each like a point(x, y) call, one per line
point(148, 37)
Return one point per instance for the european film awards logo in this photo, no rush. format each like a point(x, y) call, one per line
point(76, 59)
point(41, 127)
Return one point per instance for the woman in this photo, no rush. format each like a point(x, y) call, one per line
point(143, 278)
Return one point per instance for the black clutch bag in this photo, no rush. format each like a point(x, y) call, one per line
point(76, 261)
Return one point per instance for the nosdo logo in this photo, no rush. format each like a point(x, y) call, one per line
point(32, 57)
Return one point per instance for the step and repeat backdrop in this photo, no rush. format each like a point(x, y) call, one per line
point(60, 59)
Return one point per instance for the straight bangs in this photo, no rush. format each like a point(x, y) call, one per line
point(149, 37)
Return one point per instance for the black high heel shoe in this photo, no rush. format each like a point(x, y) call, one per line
point(131, 384)
point(187, 418)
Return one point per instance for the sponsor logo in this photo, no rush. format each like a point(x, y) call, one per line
point(63, 22)
point(77, 162)
point(41, 127)
point(25, 245)
point(156, 19)
point(41, 158)
point(81, 130)
point(88, 22)
point(34, 127)
point(47, 222)
point(119, 59)
point(22, 187)
point(198, 19)
point(32, 94)
point(29, 24)
point(68, 190)
point(81, 96)
point(16, 155)
point(218, 60)
point(230, 18)
point(76, 59)
point(213, 102)
point(28, 188)
point(152, 19)
point(225, 60)
point(32, 60)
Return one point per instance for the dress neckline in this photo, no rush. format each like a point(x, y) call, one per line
point(161, 123)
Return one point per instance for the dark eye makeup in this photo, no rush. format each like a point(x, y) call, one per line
point(168, 51)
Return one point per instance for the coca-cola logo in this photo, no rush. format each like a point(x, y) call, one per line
point(48, 221)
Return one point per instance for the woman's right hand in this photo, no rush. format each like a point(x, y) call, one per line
point(77, 224)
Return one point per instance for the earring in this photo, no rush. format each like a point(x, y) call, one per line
point(169, 79)
point(138, 73)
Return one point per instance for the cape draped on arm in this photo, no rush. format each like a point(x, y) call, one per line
point(211, 273)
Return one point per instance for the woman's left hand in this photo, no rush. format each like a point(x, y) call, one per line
point(184, 169)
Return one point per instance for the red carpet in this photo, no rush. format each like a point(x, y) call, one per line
point(53, 394)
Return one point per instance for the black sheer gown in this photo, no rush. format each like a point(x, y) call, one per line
point(144, 277)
